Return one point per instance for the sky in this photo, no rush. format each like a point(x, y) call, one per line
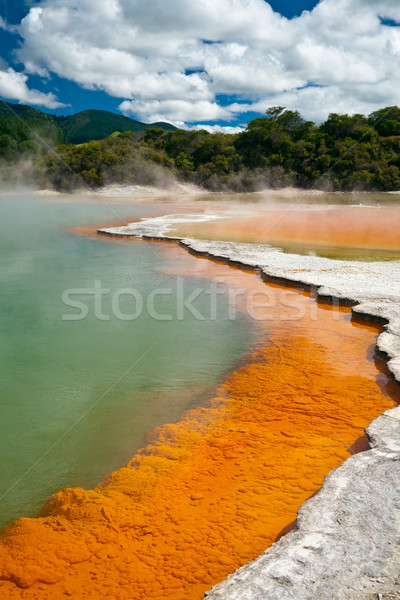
point(201, 63)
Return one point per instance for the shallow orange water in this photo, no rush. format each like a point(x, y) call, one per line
point(368, 228)
point(214, 490)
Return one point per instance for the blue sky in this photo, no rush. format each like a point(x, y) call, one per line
point(218, 63)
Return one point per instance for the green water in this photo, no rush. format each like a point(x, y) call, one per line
point(338, 252)
point(78, 397)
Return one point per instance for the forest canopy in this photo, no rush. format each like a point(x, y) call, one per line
point(345, 152)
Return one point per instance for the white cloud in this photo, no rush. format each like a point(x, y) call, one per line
point(173, 111)
point(171, 60)
point(13, 87)
point(217, 128)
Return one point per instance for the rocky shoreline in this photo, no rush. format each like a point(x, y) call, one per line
point(346, 544)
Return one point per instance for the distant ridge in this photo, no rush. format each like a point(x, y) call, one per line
point(82, 127)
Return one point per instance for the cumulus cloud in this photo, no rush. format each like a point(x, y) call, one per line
point(172, 60)
point(13, 87)
point(175, 110)
point(217, 128)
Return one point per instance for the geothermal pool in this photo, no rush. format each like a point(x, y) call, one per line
point(52, 371)
point(341, 231)
point(254, 412)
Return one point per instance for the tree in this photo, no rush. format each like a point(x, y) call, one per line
point(386, 121)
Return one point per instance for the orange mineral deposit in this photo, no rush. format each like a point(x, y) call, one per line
point(335, 227)
point(211, 492)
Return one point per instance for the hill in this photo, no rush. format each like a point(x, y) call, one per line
point(344, 153)
point(79, 128)
point(99, 124)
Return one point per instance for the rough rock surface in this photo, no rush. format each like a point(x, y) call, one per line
point(346, 545)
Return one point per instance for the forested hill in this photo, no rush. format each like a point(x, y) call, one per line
point(75, 129)
point(99, 124)
point(281, 148)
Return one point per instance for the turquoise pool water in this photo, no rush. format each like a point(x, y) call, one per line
point(78, 396)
